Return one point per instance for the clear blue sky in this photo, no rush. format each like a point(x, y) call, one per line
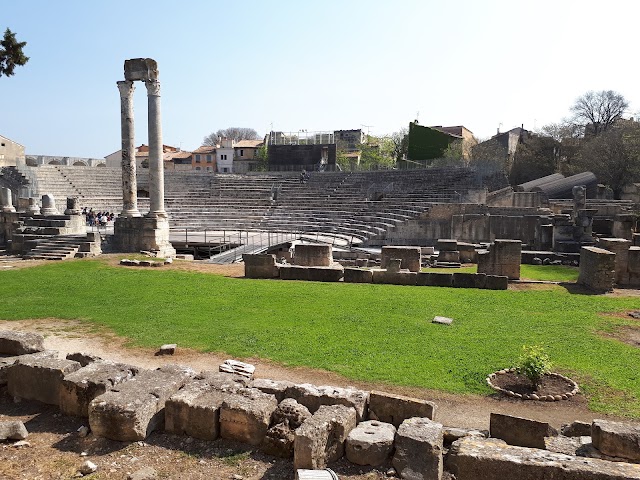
point(314, 65)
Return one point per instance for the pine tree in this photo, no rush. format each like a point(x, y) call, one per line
point(11, 54)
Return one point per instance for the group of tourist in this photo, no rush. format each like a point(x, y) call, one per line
point(97, 219)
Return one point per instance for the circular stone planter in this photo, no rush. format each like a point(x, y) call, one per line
point(571, 390)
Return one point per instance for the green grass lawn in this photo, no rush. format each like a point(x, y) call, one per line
point(554, 273)
point(380, 333)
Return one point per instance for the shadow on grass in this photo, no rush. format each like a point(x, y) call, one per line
point(578, 289)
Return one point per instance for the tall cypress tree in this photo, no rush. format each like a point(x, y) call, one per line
point(11, 54)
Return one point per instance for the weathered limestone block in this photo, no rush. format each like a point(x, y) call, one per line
point(277, 388)
point(7, 362)
point(195, 411)
point(576, 429)
point(395, 409)
point(83, 359)
point(597, 269)
point(82, 386)
point(419, 444)
point(313, 255)
point(20, 343)
point(287, 417)
point(634, 267)
point(245, 415)
point(325, 274)
point(410, 257)
point(566, 445)
point(370, 443)
point(37, 377)
point(620, 247)
point(616, 439)
point(279, 441)
point(320, 440)
point(447, 245)
point(473, 459)
point(503, 258)
point(451, 434)
point(134, 409)
point(13, 430)
point(223, 380)
point(518, 431)
point(469, 280)
point(496, 282)
point(290, 412)
point(313, 397)
point(358, 275)
point(260, 266)
point(294, 272)
point(431, 279)
point(395, 278)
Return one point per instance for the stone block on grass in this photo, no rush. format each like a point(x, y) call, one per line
point(358, 275)
point(294, 272)
point(432, 279)
point(135, 408)
point(20, 343)
point(496, 282)
point(395, 409)
point(38, 377)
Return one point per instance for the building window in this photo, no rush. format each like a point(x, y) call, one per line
point(209, 159)
point(198, 158)
point(242, 153)
point(225, 170)
point(197, 168)
point(209, 169)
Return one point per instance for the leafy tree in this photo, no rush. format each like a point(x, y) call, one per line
point(598, 111)
point(235, 133)
point(613, 156)
point(536, 157)
point(11, 54)
point(263, 159)
point(377, 153)
point(399, 142)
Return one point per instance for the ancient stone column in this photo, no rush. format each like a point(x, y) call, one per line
point(129, 182)
point(156, 163)
point(6, 201)
point(72, 206)
point(49, 205)
point(33, 207)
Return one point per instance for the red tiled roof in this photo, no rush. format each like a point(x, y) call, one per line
point(249, 144)
point(205, 149)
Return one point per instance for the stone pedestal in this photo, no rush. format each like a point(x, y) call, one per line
point(72, 206)
point(132, 234)
point(597, 269)
point(33, 208)
point(411, 257)
point(620, 247)
point(313, 255)
point(6, 200)
point(49, 205)
point(503, 258)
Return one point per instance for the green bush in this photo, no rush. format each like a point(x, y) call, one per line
point(534, 363)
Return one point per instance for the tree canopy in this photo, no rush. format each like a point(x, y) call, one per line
point(598, 111)
point(234, 133)
point(11, 54)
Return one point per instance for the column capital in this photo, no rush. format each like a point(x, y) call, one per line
point(153, 87)
point(126, 88)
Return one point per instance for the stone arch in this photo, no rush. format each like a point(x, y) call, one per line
point(31, 162)
point(54, 162)
point(101, 164)
point(79, 163)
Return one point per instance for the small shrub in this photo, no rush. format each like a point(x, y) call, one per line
point(534, 363)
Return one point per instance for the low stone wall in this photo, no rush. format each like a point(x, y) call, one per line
point(312, 425)
point(260, 266)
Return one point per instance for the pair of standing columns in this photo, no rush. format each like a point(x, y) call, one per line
point(156, 163)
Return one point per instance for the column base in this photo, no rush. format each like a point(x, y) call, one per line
point(132, 234)
point(157, 214)
point(131, 212)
